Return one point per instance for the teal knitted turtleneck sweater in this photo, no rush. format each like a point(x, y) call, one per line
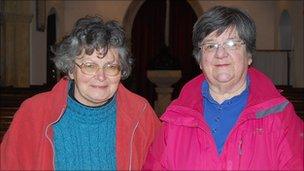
point(85, 137)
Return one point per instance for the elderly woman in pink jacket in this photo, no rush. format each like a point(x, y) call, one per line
point(231, 117)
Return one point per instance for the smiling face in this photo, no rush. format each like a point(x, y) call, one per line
point(225, 67)
point(96, 89)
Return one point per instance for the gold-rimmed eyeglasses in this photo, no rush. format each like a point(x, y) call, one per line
point(91, 68)
point(229, 45)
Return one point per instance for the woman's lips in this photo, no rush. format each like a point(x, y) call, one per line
point(98, 86)
point(221, 65)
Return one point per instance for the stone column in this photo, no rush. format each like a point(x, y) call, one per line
point(163, 79)
point(15, 57)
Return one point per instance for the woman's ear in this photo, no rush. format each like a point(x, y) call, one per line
point(71, 75)
point(250, 60)
point(249, 56)
point(201, 64)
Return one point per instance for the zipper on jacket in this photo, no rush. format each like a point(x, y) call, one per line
point(238, 124)
point(240, 151)
point(51, 142)
point(241, 147)
point(132, 138)
point(131, 146)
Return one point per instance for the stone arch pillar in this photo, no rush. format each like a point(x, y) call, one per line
point(15, 45)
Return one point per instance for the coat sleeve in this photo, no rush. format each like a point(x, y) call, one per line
point(21, 145)
point(13, 153)
point(290, 143)
point(156, 157)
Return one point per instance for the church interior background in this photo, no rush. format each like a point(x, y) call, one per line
point(30, 28)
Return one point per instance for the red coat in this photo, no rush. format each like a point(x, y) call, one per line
point(267, 136)
point(28, 143)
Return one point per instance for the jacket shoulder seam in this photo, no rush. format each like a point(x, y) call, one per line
point(272, 110)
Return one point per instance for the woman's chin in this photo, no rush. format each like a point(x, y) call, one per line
point(99, 101)
point(223, 78)
point(95, 101)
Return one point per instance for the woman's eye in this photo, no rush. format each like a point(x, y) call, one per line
point(112, 66)
point(210, 46)
point(90, 65)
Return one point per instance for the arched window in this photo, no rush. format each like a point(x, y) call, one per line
point(285, 33)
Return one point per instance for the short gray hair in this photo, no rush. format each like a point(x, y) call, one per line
point(219, 19)
point(90, 34)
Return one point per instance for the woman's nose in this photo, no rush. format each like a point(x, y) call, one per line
point(221, 52)
point(100, 74)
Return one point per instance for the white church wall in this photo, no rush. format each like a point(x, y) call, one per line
point(107, 9)
point(265, 14)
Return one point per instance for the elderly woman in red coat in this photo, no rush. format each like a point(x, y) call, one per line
point(89, 120)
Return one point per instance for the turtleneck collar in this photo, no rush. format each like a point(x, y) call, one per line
point(88, 114)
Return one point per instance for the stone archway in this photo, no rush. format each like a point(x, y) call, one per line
point(135, 6)
point(137, 82)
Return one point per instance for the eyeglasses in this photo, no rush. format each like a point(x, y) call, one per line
point(91, 68)
point(229, 45)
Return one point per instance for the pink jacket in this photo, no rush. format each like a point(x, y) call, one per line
point(267, 136)
point(28, 144)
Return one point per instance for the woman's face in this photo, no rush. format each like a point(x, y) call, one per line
point(226, 64)
point(97, 88)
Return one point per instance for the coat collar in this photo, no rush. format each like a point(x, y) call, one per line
point(187, 109)
point(60, 93)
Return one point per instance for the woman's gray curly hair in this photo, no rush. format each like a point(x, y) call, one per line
point(90, 34)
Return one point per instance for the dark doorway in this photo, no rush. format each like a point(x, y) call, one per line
point(51, 39)
point(182, 19)
point(148, 37)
